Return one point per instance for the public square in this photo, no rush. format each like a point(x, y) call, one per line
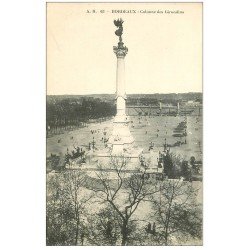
point(144, 130)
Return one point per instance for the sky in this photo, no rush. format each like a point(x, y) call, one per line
point(164, 49)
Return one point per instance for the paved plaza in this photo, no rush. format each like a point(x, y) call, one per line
point(144, 129)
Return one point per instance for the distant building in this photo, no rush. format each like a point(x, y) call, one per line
point(192, 103)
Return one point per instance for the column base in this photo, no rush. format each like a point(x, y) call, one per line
point(121, 138)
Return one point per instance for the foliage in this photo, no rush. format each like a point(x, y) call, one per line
point(185, 170)
point(172, 165)
point(67, 111)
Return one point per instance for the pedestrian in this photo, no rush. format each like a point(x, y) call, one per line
point(154, 231)
point(148, 228)
point(82, 238)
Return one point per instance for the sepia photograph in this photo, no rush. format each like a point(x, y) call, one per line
point(124, 124)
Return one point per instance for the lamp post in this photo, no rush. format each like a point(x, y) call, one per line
point(93, 143)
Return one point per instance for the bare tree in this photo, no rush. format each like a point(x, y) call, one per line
point(177, 212)
point(74, 182)
point(103, 227)
point(123, 192)
point(66, 197)
point(58, 213)
point(111, 218)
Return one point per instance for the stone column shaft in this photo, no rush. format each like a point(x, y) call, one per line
point(120, 52)
point(120, 87)
point(120, 77)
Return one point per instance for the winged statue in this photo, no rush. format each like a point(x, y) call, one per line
point(118, 23)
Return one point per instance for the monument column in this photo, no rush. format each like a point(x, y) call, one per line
point(121, 137)
point(120, 52)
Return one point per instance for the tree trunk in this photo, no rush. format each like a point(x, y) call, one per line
point(124, 233)
point(166, 238)
point(124, 239)
point(77, 230)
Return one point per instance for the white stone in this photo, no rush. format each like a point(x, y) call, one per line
point(121, 138)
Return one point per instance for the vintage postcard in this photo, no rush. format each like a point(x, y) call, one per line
point(124, 124)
